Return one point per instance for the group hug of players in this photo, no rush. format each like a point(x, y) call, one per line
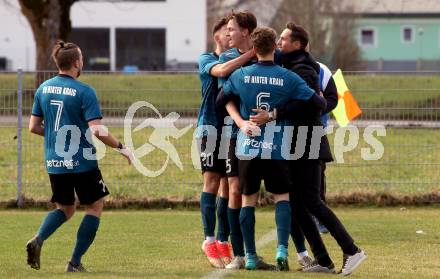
point(261, 81)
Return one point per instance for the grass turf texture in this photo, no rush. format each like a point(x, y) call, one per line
point(166, 244)
point(409, 166)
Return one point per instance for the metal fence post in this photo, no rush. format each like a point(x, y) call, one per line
point(19, 138)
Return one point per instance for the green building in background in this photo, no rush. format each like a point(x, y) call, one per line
point(398, 35)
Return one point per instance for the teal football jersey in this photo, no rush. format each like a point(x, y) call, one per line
point(66, 106)
point(265, 85)
point(208, 115)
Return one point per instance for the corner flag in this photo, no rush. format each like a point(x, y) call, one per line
point(347, 108)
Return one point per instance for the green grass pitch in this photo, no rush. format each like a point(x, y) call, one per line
point(166, 244)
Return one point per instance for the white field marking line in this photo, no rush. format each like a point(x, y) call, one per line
point(263, 241)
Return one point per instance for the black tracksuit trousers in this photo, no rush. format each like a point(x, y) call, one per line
point(305, 201)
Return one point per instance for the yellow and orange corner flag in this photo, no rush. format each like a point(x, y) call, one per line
point(347, 108)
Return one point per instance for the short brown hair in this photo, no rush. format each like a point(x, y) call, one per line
point(65, 54)
point(246, 20)
point(298, 34)
point(264, 40)
point(219, 24)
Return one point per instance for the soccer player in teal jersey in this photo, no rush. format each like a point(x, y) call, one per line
point(71, 114)
point(208, 134)
point(307, 170)
point(240, 26)
point(265, 157)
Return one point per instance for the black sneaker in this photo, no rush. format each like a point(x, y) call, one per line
point(33, 249)
point(314, 266)
point(75, 268)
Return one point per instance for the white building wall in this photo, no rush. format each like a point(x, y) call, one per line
point(184, 21)
point(16, 38)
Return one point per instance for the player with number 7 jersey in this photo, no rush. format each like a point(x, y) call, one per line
point(71, 114)
point(67, 115)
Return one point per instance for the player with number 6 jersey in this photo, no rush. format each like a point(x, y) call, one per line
point(262, 157)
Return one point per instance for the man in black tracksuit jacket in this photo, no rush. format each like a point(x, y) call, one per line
point(306, 171)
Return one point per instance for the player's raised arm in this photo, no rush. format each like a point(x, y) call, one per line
point(225, 69)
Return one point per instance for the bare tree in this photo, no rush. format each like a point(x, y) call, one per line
point(331, 25)
point(215, 10)
point(346, 53)
point(50, 21)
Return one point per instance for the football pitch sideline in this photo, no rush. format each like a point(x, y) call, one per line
point(400, 243)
